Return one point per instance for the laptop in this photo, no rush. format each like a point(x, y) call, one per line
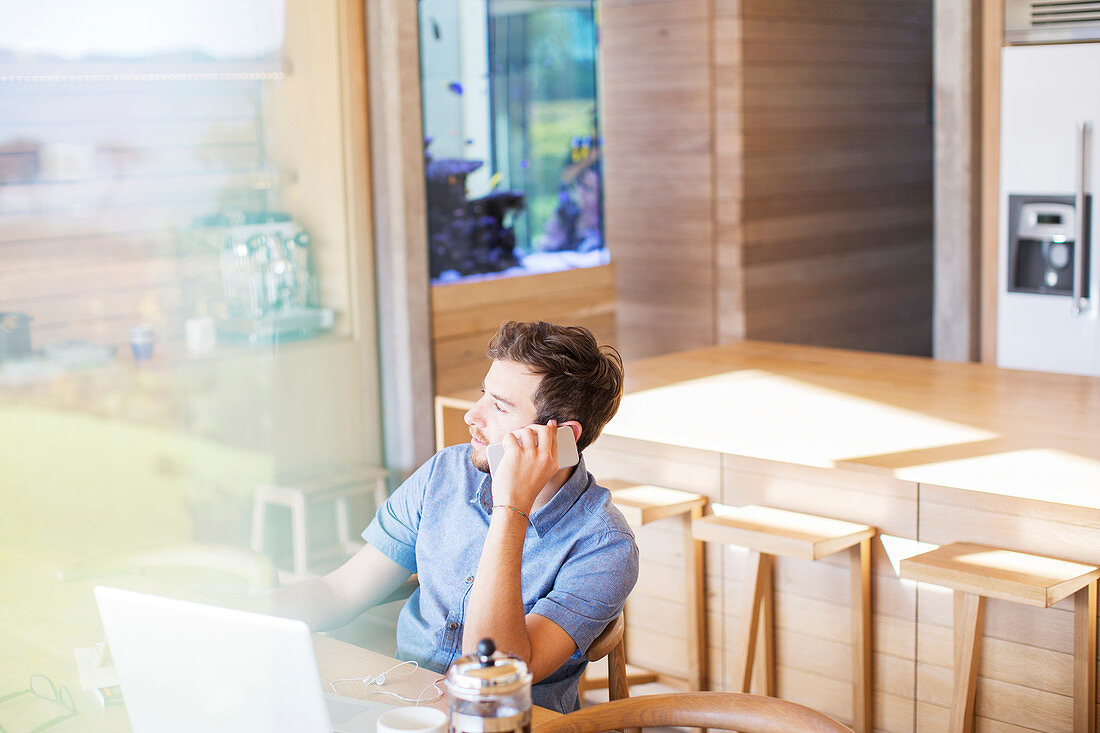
point(186, 667)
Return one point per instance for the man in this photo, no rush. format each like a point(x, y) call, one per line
point(533, 557)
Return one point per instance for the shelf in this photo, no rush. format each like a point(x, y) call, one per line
point(123, 71)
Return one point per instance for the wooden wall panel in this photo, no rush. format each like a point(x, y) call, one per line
point(838, 159)
point(656, 95)
point(742, 134)
point(729, 184)
point(466, 315)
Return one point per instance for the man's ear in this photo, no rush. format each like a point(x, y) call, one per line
point(576, 428)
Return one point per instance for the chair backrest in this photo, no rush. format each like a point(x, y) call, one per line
point(609, 638)
point(722, 710)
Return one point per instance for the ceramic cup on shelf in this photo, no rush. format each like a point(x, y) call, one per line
point(141, 341)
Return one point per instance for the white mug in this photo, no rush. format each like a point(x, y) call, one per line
point(413, 720)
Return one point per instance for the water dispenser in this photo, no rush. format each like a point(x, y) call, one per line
point(1041, 231)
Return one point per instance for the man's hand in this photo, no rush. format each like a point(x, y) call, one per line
point(530, 461)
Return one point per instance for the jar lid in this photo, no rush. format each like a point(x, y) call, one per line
point(492, 673)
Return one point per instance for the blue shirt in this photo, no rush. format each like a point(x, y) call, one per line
point(580, 562)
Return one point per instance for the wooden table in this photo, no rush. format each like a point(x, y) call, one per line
point(338, 659)
point(928, 452)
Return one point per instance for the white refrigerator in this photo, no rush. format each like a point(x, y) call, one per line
point(1049, 268)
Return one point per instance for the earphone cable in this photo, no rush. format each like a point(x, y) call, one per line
point(380, 679)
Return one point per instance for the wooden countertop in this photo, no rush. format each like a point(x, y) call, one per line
point(968, 426)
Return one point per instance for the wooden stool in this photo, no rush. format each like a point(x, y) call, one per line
point(769, 532)
point(297, 490)
point(977, 572)
point(642, 504)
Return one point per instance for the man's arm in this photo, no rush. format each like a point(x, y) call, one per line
point(339, 597)
point(495, 608)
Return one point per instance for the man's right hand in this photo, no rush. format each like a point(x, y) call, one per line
point(530, 461)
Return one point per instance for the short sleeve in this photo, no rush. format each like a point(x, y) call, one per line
point(591, 588)
point(395, 525)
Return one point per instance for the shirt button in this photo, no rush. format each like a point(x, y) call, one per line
point(452, 625)
point(470, 579)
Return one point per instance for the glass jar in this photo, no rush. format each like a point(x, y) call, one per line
point(490, 692)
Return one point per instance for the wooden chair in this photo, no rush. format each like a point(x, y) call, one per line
point(977, 572)
point(610, 644)
point(723, 710)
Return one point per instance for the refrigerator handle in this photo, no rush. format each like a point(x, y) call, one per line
point(1081, 233)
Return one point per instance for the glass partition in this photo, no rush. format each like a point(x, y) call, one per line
point(182, 316)
point(512, 139)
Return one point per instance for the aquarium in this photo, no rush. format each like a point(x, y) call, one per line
point(512, 147)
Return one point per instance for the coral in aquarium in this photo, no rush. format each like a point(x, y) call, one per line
point(466, 237)
point(575, 224)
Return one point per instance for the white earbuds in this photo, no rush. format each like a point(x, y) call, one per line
point(380, 679)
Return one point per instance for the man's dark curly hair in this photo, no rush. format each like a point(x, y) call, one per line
point(581, 380)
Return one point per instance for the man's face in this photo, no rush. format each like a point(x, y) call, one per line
point(506, 404)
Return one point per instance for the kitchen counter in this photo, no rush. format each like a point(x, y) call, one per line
point(967, 426)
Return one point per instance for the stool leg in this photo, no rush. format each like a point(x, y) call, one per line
point(380, 492)
point(862, 678)
point(1084, 659)
point(259, 506)
point(969, 615)
point(300, 540)
point(767, 629)
point(341, 507)
point(758, 571)
point(696, 605)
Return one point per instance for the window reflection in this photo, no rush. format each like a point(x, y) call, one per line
point(181, 318)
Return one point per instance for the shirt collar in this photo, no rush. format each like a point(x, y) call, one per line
point(546, 516)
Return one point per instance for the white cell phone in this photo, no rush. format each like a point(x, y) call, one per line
point(567, 450)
